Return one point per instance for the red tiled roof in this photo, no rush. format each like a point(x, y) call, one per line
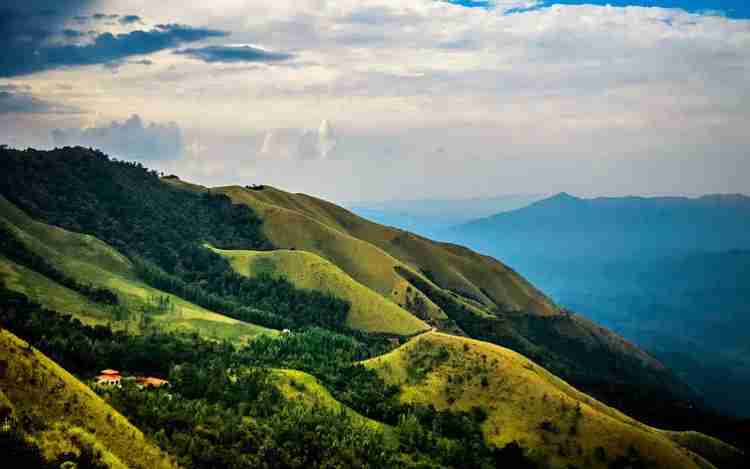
point(151, 382)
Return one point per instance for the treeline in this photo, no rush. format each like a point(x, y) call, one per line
point(163, 229)
point(123, 204)
point(224, 407)
point(276, 303)
point(16, 251)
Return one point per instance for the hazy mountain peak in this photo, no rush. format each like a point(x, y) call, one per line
point(564, 196)
point(559, 199)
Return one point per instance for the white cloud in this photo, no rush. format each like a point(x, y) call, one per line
point(292, 144)
point(130, 139)
point(597, 85)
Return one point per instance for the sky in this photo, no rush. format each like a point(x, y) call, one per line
point(391, 99)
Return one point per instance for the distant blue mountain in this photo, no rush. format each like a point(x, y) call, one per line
point(429, 216)
point(612, 227)
point(672, 274)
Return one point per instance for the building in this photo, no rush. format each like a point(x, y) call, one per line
point(109, 378)
point(149, 382)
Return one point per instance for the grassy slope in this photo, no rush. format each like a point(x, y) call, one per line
point(452, 267)
point(369, 253)
point(300, 386)
point(519, 395)
point(369, 311)
point(67, 414)
point(89, 260)
point(364, 262)
point(49, 294)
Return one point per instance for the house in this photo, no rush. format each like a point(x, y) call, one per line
point(149, 382)
point(109, 378)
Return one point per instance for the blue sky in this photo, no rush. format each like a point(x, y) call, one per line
point(728, 8)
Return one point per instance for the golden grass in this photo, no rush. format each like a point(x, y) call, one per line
point(369, 311)
point(311, 224)
point(364, 262)
point(88, 260)
point(67, 413)
point(519, 396)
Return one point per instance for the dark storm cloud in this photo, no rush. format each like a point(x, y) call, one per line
point(130, 139)
point(234, 54)
point(18, 100)
point(27, 26)
point(130, 19)
point(73, 33)
point(104, 16)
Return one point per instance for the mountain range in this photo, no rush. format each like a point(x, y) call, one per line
point(669, 273)
point(295, 333)
point(430, 216)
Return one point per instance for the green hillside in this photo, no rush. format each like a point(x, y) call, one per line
point(273, 315)
point(479, 296)
point(452, 267)
point(298, 386)
point(368, 312)
point(90, 261)
point(526, 403)
point(63, 417)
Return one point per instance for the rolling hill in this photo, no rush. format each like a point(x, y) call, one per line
point(524, 402)
point(481, 296)
point(369, 311)
point(62, 415)
point(90, 261)
point(453, 267)
point(99, 239)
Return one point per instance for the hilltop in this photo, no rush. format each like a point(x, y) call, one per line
point(524, 402)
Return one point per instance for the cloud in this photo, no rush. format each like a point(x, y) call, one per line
point(291, 144)
point(130, 19)
point(231, 54)
point(27, 30)
point(104, 16)
point(130, 139)
point(621, 96)
point(17, 100)
point(106, 48)
point(326, 139)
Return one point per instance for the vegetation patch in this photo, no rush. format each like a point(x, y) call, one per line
point(368, 310)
